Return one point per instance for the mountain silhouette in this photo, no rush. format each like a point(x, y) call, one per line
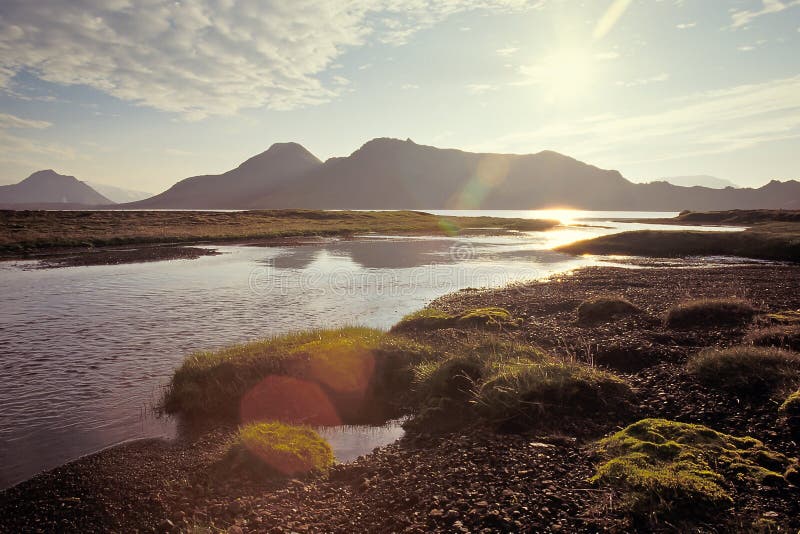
point(394, 174)
point(51, 188)
point(235, 188)
point(704, 180)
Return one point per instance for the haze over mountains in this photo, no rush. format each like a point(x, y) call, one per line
point(699, 179)
point(393, 174)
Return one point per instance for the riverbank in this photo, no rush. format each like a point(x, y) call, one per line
point(24, 233)
point(478, 475)
point(770, 235)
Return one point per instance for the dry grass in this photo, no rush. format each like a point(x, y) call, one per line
point(30, 230)
point(787, 336)
point(746, 369)
point(605, 308)
point(710, 312)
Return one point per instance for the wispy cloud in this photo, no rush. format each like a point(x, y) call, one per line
point(686, 25)
point(709, 122)
point(480, 88)
point(508, 51)
point(743, 17)
point(208, 57)
point(12, 121)
point(662, 77)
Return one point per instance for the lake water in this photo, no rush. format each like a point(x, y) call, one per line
point(86, 351)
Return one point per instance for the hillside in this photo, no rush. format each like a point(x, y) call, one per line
point(393, 174)
point(52, 188)
point(235, 188)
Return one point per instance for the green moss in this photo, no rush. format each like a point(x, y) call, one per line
point(791, 406)
point(433, 319)
point(746, 369)
point(605, 308)
point(710, 312)
point(682, 471)
point(285, 449)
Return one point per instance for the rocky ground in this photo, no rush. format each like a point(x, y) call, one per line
point(475, 480)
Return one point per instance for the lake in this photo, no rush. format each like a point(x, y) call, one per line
point(86, 351)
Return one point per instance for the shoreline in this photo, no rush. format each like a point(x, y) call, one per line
point(168, 484)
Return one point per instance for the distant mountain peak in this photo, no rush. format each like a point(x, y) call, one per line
point(48, 186)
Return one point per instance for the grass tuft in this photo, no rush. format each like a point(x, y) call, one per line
point(678, 471)
point(283, 449)
point(746, 369)
point(511, 385)
point(605, 308)
point(710, 312)
point(785, 336)
point(434, 319)
point(344, 365)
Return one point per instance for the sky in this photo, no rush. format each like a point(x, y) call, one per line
point(143, 93)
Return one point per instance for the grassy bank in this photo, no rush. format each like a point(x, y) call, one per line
point(22, 231)
point(773, 241)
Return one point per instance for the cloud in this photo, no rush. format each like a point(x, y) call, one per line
point(662, 77)
point(743, 17)
point(21, 151)
point(508, 51)
point(208, 57)
point(12, 121)
point(686, 25)
point(709, 122)
point(480, 88)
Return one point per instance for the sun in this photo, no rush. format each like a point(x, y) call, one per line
point(565, 74)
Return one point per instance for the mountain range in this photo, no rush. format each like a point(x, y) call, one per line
point(394, 174)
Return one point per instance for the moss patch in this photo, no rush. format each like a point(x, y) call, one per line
point(746, 369)
point(679, 471)
point(710, 312)
point(434, 319)
point(280, 448)
point(605, 308)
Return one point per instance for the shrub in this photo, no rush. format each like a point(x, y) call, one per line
point(746, 369)
point(791, 406)
point(605, 309)
point(776, 336)
point(283, 449)
point(340, 365)
point(434, 319)
point(679, 471)
point(710, 312)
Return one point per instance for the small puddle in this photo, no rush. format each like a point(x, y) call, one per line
point(351, 441)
